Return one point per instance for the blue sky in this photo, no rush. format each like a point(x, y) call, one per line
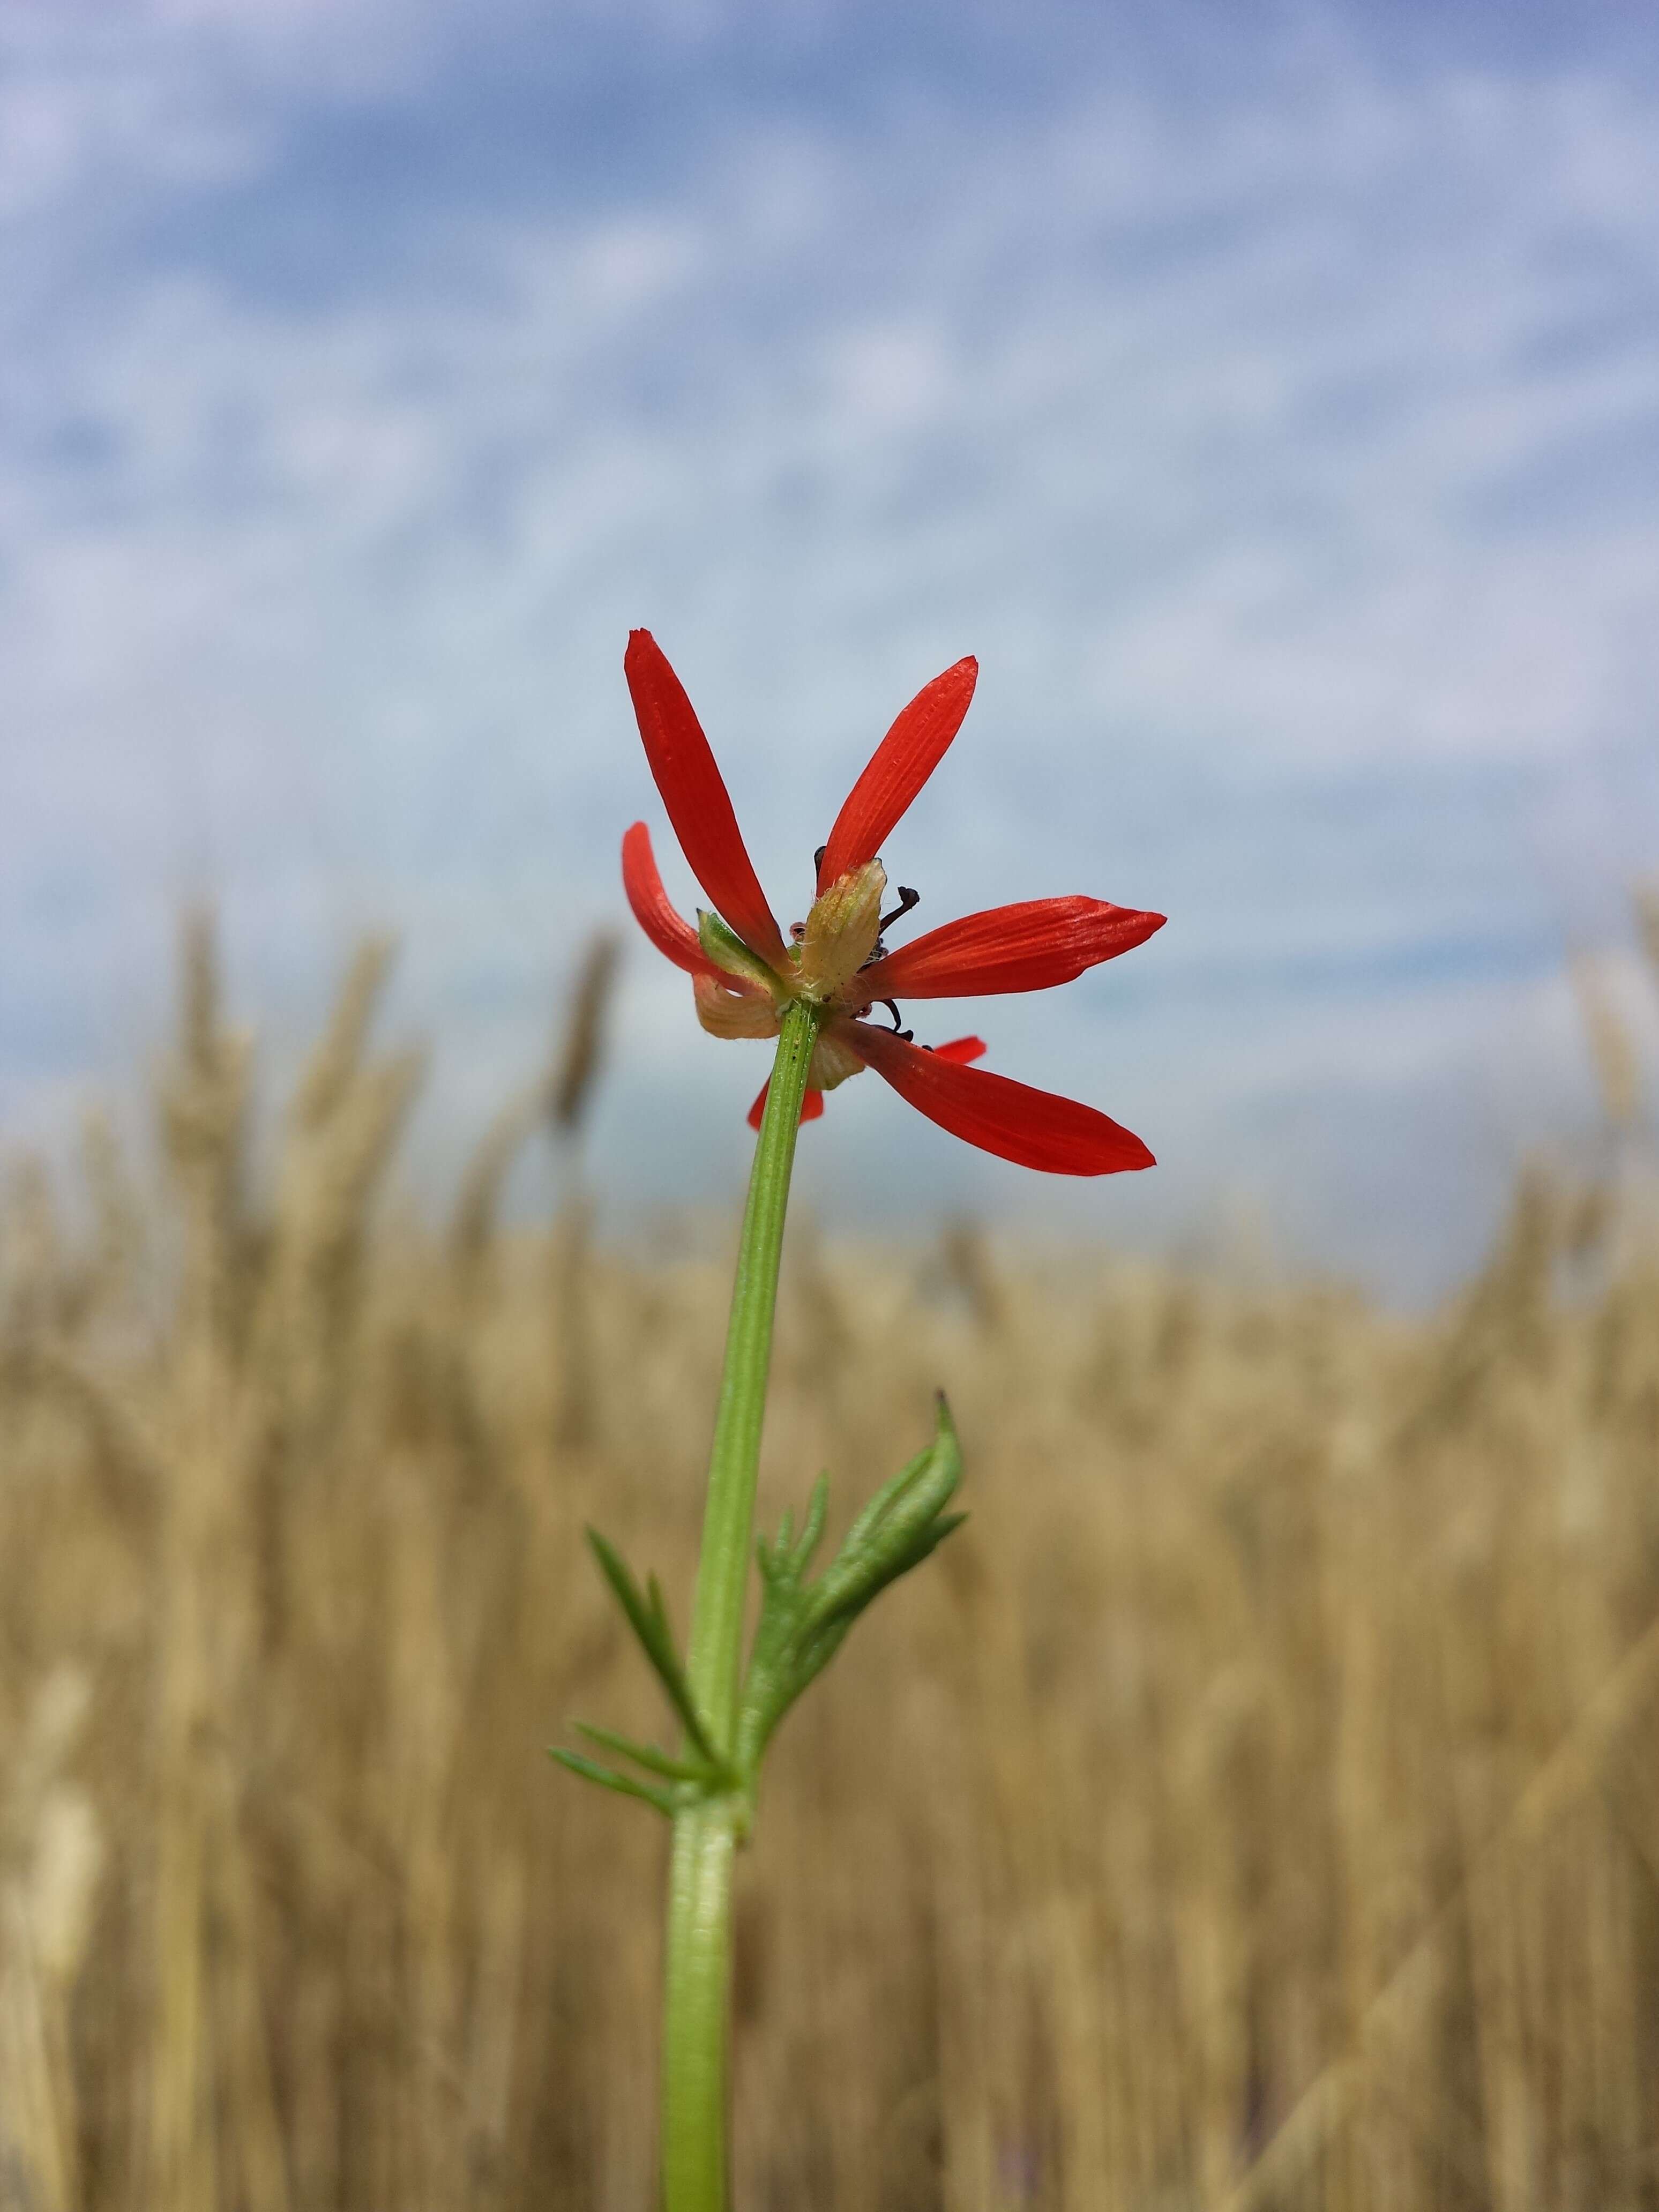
point(1269, 397)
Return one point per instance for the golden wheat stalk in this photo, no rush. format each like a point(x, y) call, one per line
point(1572, 1770)
point(580, 1060)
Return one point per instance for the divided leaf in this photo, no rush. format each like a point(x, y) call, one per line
point(802, 1623)
point(648, 1618)
point(624, 1785)
point(801, 1627)
point(705, 1770)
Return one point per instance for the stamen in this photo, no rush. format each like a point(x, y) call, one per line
point(892, 1006)
point(818, 857)
point(797, 931)
point(907, 898)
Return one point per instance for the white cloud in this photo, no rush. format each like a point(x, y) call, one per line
point(1227, 441)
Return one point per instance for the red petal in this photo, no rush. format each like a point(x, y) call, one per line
point(669, 931)
point(698, 803)
point(961, 1050)
point(902, 762)
point(1029, 947)
point(1033, 1128)
point(812, 1105)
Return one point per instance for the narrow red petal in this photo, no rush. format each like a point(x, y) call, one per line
point(1029, 947)
point(1033, 1128)
point(695, 793)
point(901, 763)
point(668, 930)
point(961, 1050)
point(812, 1105)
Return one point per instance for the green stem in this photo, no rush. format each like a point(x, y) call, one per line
point(698, 1961)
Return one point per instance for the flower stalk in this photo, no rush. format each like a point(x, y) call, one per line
point(698, 1958)
point(734, 1459)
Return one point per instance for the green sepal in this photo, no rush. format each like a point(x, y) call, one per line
point(648, 1616)
point(727, 951)
point(803, 1623)
point(623, 1784)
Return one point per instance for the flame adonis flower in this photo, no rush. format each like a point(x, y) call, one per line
point(744, 976)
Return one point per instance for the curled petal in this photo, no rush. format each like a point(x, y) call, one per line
point(728, 1009)
point(695, 793)
point(1028, 947)
point(812, 1105)
point(1033, 1128)
point(900, 764)
point(668, 930)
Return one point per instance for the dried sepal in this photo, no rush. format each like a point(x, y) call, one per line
point(833, 1060)
point(733, 1010)
point(841, 930)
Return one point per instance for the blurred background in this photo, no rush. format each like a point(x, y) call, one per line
point(1255, 1805)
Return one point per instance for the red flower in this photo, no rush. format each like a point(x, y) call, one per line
point(744, 976)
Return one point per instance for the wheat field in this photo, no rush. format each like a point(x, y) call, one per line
point(1256, 1805)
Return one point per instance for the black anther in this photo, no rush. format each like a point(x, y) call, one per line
point(907, 898)
point(818, 857)
point(892, 1006)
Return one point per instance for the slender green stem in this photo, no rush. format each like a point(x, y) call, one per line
point(695, 1997)
point(697, 1966)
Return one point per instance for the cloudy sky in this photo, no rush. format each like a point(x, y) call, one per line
point(1268, 397)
